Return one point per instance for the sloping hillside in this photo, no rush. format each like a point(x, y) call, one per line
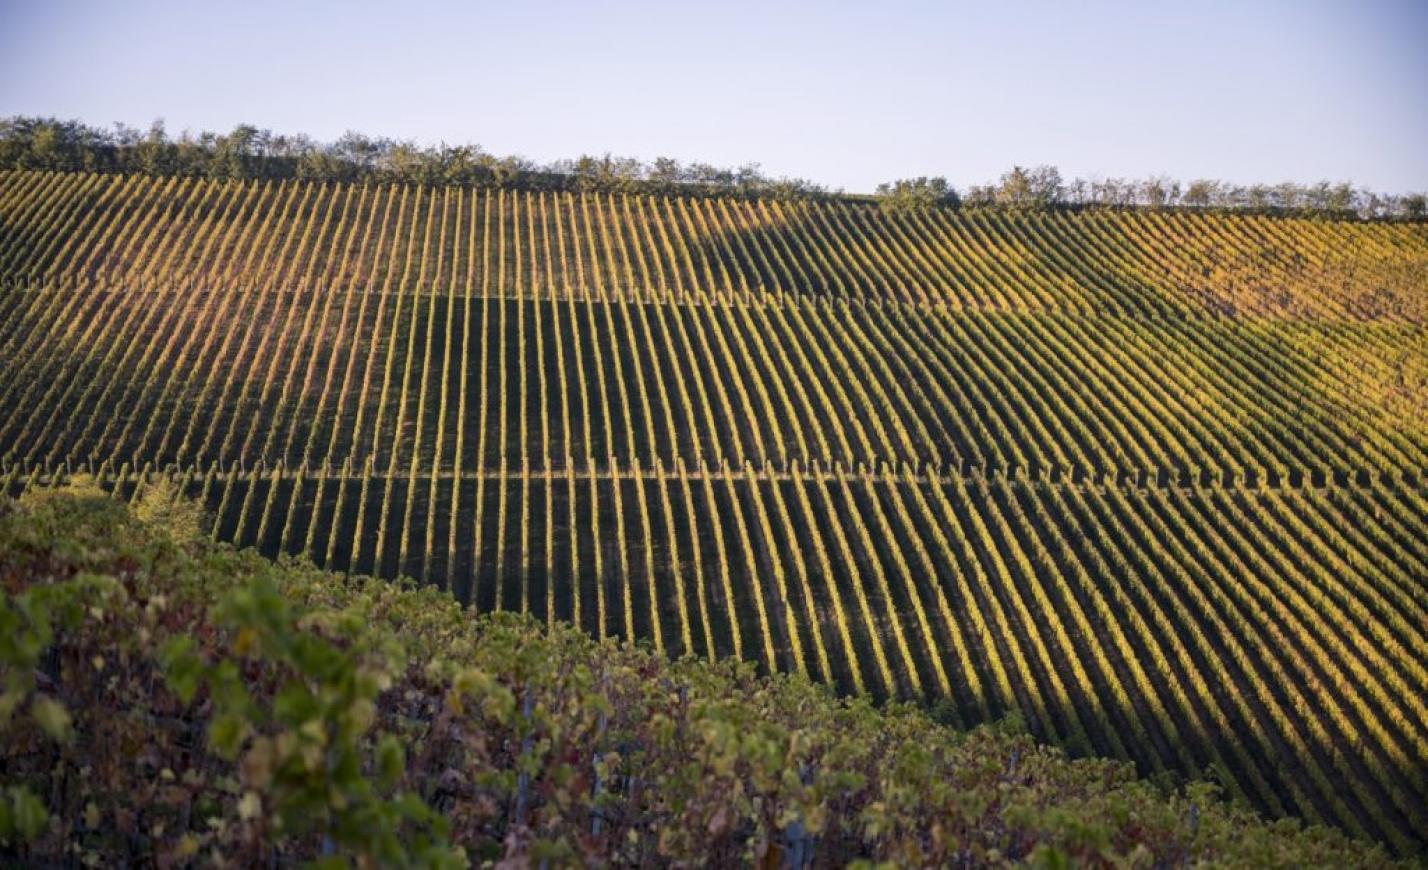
point(175, 702)
point(1153, 480)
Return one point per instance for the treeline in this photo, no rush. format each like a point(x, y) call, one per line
point(248, 152)
point(1043, 188)
point(252, 153)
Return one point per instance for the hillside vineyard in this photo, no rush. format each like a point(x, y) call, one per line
point(1156, 481)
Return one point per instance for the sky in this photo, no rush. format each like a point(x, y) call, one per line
point(845, 94)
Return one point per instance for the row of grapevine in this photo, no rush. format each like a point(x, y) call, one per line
point(1018, 462)
point(95, 230)
point(1262, 635)
point(319, 378)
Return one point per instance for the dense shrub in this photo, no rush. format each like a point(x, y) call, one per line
point(167, 699)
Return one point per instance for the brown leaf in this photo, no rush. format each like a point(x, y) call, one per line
point(720, 821)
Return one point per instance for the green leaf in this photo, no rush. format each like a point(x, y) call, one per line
point(1047, 857)
point(22, 816)
point(182, 666)
point(295, 704)
point(10, 700)
point(52, 717)
point(226, 733)
point(391, 761)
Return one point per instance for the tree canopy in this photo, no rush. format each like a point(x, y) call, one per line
point(248, 152)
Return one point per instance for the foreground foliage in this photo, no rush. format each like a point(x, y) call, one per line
point(170, 699)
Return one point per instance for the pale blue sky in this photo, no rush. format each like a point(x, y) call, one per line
point(845, 94)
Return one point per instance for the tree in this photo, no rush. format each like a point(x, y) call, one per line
point(1114, 192)
point(920, 192)
point(1258, 197)
point(1037, 188)
point(1015, 189)
point(152, 154)
point(407, 162)
point(237, 154)
point(1341, 198)
point(981, 195)
point(1158, 191)
point(1201, 193)
point(607, 174)
point(363, 152)
point(1289, 196)
point(251, 152)
point(666, 173)
point(320, 164)
point(45, 147)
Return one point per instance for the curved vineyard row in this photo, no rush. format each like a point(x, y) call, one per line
point(1184, 628)
point(1154, 481)
point(108, 231)
point(352, 376)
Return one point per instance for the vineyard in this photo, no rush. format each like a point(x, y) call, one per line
point(1155, 481)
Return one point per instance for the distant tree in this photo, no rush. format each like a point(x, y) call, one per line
point(1039, 187)
point(237, 154)
point(1369, 204)
point(793, 188)
point(1158, 191)
point(711, 176)
point(1258, 197)
point(152, 152)
point(980, 195)
point(189, 155)
point(508, 170)
point(364, 153)
point(45, 147)
point(1015, 189)
point(1201, 193)
point(1341, 198)
point(1289, 196)
point(1114, 192)
point(252, 152)
point(607, 174)
point(666, 173)
point(459, 164)
point(749, 178)
point(315, 163)
point(920, 192)
point(406, 162)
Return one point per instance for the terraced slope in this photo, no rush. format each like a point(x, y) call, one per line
point(1156, 481)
